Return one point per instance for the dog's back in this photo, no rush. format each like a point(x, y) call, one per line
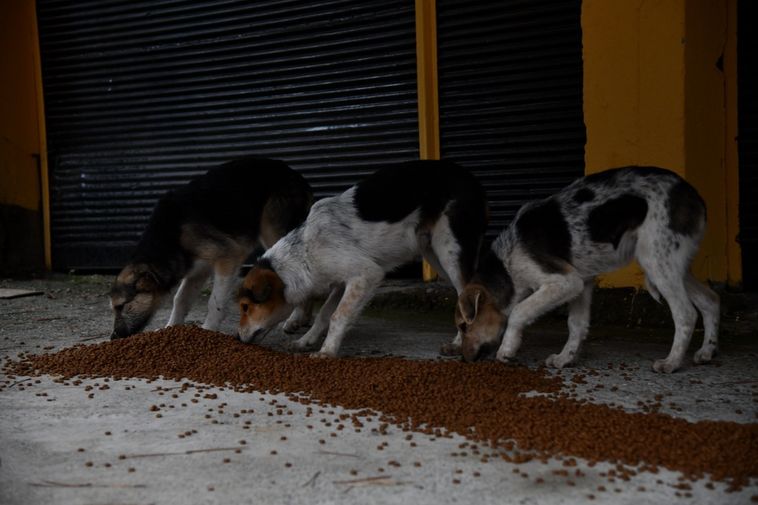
point(231, 198)
point(595, 224)
point(390, 215)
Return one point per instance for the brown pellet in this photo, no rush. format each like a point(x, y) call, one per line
point(454, 400)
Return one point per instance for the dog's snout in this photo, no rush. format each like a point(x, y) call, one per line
point(248, 337)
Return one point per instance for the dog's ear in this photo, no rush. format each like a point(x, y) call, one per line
point(147, 282)
point(468, 304)
point(261, 291)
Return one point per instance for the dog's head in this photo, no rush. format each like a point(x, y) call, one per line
point(480, 321)
point(135, 295)
point(262, 303)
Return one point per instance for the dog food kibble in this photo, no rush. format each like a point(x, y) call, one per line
point(484, 402)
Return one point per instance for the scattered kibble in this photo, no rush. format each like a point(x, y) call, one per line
point(722, 450)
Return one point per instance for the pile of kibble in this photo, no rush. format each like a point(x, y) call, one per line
point(484, 402)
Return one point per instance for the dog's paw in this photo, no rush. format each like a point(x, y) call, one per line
point(665, 366)
point(503, 358)
point(704, 355)
point(450, 349)
point(290, 327)
point(300, 345)
point(558, 361)
point(322, 355)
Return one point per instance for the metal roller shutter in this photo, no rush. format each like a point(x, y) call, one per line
point(510, 75)
point(142, 94)
point(747, 140)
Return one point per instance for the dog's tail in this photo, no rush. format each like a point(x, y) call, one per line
point(650, 287)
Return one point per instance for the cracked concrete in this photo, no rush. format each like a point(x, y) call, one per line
point(49, 431)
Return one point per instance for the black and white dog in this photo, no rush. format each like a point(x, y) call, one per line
point(211, 224)
point(349, 242)
point(554, 248)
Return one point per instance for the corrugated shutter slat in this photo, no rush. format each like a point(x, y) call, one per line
point(141, 95)
point(510, 75)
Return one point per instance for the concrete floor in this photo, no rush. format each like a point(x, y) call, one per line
point(44, 424)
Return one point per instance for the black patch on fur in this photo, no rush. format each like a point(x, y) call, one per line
point(686, 209)
point(544, 232)
point(265, 264)
point(608, 222)
point(584, 195)
point(391, 194)
point(226, 200)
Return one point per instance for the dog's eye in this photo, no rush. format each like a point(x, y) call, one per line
point(244, 307)
point(462, 327)
point(118, 307)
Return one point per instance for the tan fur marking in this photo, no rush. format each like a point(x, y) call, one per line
point(212, 246)
point(487, 322)
point(260, 313)
point(270, 233)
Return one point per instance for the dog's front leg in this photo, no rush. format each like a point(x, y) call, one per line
point(358, 291)
point(299, 318)
point(578, 323)
point(555, 291)
point(223, 284)
point(188, 290)
point(321, 324)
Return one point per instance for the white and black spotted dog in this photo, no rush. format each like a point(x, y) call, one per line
point(349, 242)
point(554, 248)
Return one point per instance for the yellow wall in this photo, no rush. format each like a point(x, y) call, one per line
point(24, 223)
point(653, 95)
point(19, 126)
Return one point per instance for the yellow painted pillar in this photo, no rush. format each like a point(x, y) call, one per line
point(428, 99)
point(731, 160)
point(654, 94)
point(22, 138)
point(42, 132)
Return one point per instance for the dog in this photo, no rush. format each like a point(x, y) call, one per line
point(211, 224)
point(348, 243)
point(554, 248)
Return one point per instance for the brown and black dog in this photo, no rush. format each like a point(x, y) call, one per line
point(211, 224)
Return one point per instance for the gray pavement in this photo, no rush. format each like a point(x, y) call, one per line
point(49, 432)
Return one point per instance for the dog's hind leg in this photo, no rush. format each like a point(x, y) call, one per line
point(224, 280)
point(321, 323)
point(668, 273)
point(707, 302)
point(188, 290)
point(578, 323)
point(554, 290)
point(358, 291)
point(455, 259)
